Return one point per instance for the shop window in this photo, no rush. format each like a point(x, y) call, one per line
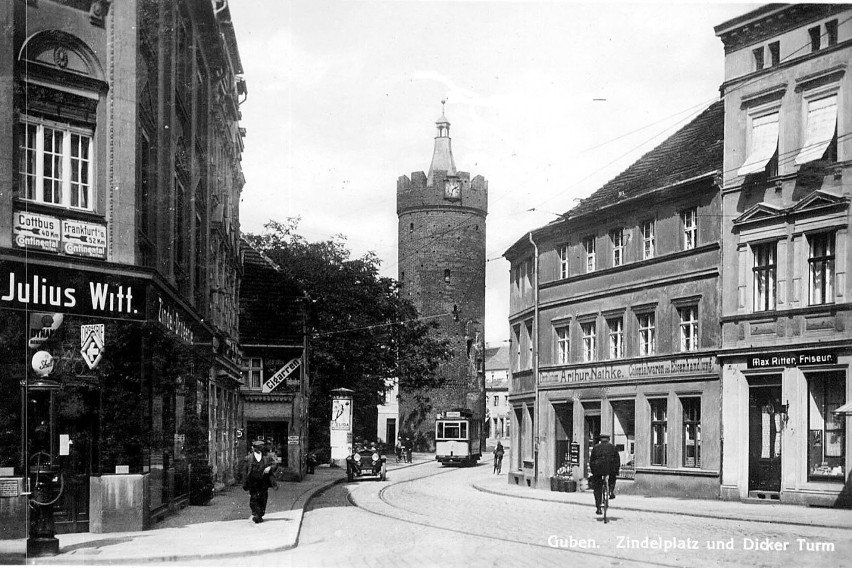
point(688, 328)
point(691, 431)
point(617, 238)
point(55, 163)
point(616, 337)
point(589, 332)
point(689, 219)
point(826, 430)
point(589, 247)
point(821, 268)
point(659, 433)
point(648, 240)
point(563, 344)
point(764, 277)
point(563, 261)
point(647, 333)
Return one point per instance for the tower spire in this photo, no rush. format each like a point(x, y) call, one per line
point(442, 157)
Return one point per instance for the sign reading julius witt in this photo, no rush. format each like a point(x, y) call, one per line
point(79, 292)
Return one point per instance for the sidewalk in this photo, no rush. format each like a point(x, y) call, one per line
point(221, 529)
point(729, 510)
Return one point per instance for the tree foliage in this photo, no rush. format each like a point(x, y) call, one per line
point(362, 331)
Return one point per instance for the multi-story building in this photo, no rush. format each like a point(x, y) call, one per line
point(119, 251)
point(387, 421)
point(497, 395)
point(786, 312)
point(274, 339)
point(614, 312)
point(441, 239)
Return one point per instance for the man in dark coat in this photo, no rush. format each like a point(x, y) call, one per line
point(257, 478)
point(604, 460)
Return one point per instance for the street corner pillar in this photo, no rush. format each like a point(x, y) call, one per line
point(340, 425)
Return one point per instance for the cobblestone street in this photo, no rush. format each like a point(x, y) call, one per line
point(434, 516)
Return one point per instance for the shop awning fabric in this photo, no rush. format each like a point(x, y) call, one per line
point(844, 409)
point(822, 121)
point(764, 143)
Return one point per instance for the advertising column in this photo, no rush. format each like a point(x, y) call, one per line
point(341, 425)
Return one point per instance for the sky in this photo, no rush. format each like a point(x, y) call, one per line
point(546, 100)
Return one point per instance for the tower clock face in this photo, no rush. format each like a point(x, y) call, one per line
point(452, 189)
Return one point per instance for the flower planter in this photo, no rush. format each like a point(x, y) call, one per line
point(554, 484)
point(569, 486)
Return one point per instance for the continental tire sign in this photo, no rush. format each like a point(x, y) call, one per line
point(71, 291)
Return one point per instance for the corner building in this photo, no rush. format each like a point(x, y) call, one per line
point(786, 324)
point(614, 312)
point(441, 240)
point(120, 270)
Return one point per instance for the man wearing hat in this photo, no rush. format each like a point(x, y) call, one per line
point(257, 478)
point(604, 460)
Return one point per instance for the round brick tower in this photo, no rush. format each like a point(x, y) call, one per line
point(442, 272)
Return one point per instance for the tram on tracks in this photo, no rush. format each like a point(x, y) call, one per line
point(458, 438)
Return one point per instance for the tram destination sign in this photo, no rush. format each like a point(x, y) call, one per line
point(794, 359)
point(71, 291)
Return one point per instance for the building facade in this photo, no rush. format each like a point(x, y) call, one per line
point(441, 239)
point(274, 340)
point(119, 192)
point(387, 423)
point(614, 312)
point(786, 323)
point(497, 413)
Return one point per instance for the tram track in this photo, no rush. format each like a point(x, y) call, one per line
point(497, 539)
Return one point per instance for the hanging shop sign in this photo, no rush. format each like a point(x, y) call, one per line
point(92, 349)
point(71, 291)
point(794, 359)
point(282, 375)
point(42, 363)
point(681, 366)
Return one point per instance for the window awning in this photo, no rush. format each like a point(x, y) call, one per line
point(822, 122)
point(764, 143)
point(844, 409)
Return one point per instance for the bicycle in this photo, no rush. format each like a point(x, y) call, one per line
point(605, 497)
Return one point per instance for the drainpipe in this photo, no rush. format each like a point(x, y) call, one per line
point(537, 413)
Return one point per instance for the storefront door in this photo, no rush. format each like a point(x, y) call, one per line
point(765, 422)
point(593, 428)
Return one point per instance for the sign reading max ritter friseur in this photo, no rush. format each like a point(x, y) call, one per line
point(794, 359)
point(679, 366)
point(79, 292)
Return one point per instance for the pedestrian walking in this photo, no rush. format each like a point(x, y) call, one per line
point(257, 479)
point(498, 457)
point(409, 447)
point(604, 460)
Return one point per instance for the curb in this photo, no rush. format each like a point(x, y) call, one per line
point(301, 502)
point(781, 521)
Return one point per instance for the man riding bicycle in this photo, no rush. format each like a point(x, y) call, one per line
point(604, 460)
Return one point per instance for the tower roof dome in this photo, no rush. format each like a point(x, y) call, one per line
point(442, 157)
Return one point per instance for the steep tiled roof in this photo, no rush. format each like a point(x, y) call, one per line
point(270, 306)
point(497, 358)
point(694, 150)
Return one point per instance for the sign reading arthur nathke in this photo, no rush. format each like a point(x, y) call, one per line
point(79, 292)
point(679, 366)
